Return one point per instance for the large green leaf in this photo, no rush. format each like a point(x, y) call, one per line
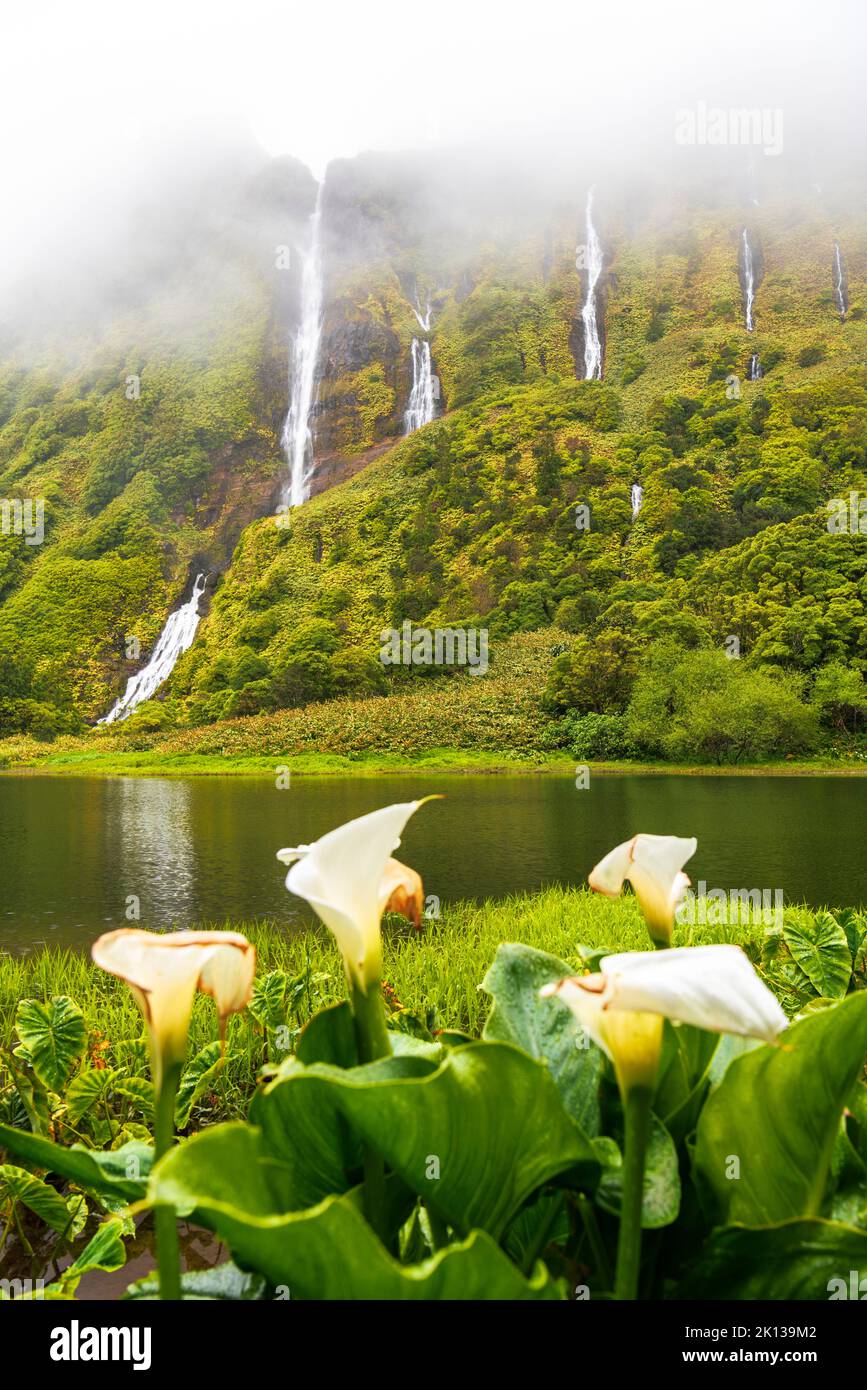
point(684, 1076)
point(140, 1090)
point(87, 1088)
point(122, 1172)
point(195, 1077)
point(268, 1000)
point(54, 1035)
point(327, 1251)
point(329, 1037)
point(766, 1134)
point(795, 1260)
point(473, 1136)
point(42, 1199)
point(543, 1028)
point(660, 1202)
point(819, 945)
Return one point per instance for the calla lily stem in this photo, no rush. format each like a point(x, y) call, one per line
point(372, 1037)
point(636, 1106)
point(165, 1221)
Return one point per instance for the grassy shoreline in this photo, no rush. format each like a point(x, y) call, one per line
point(441, 761)
point(439, 968)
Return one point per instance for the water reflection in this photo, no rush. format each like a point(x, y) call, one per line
point(202, 850)
point(149, 841)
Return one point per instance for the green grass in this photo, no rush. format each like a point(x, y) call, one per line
point(42, 759)
point(438, 969)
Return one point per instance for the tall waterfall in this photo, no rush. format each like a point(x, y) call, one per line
point(421, 407)
point(839, 282)
point(592, 342)
point(175, 638)
point(749, 279)
point(754, 371)
point(297, 437)
point(637, 499)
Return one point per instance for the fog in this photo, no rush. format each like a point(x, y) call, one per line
point(104, 105)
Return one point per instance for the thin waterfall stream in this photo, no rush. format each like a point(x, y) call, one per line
point(297, 439)
point(592, 340)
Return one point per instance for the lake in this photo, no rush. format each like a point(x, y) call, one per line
point(74, 850)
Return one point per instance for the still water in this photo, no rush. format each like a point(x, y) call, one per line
point(74, 850)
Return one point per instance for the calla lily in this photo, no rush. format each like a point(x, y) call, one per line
point(623, 1009)
point(164, 973)
point(653, 864)
point(405, 891)
point(711, 987)
point(348, 879)
point(402, 884)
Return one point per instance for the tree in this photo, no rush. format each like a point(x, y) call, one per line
point(701, 705)
point(840, 695)
point(595, 676)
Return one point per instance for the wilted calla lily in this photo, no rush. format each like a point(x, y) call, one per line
point(711, 987)
point(164, 973)
point(405, 891)
point(653, 864)
point(347, 877)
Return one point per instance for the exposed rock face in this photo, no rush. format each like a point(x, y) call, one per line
point(364, 379)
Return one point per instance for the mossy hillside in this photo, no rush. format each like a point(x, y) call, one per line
point(472, 521)
point(136, 489)
point(675, 301)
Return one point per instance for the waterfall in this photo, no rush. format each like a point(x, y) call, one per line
point(420, 410)
point(592, 343)
point(839, 282)
point(297, 437)
point(754, 371)
point(175, 638)
point(749, 279)
point(637, 499)
point(422, 316)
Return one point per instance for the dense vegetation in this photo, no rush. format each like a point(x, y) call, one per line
point(511, 513)
point(77, 1099)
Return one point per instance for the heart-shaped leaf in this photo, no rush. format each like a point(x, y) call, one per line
point(42, 1199)
point(195, 1077)
point(54, 1035)
point(819, 945)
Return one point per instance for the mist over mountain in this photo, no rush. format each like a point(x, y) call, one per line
point(400, 341)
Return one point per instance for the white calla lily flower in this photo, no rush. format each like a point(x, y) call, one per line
point(164, 973)
point(349, 878)
point(653, 864)
point(622, 1007)
point(401, 886)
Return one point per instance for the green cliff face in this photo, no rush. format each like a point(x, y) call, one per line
point(512, 511)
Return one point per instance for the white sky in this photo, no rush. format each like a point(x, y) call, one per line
point(83, 81)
